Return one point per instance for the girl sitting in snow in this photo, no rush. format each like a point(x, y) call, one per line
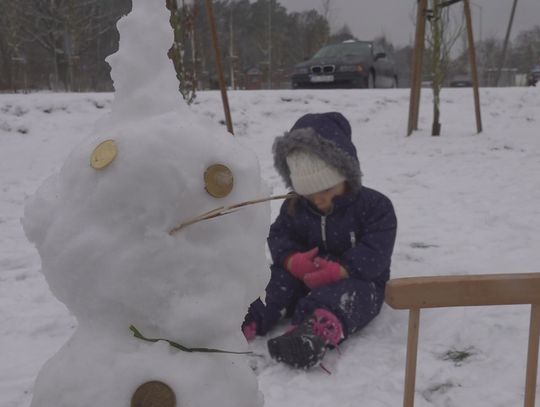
point(331, 244)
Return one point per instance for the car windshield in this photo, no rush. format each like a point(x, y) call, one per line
point(347, 48)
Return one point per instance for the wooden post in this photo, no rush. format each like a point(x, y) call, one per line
point(472, 61)
point(532, 356)
point(222, 85)
point(412, 350)
point(416, 66)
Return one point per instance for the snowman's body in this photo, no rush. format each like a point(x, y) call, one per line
point(103, 236)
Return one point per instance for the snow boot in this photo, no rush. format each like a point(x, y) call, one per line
point(305, 345)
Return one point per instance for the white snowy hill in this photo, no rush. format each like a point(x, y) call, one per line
point(466, 204)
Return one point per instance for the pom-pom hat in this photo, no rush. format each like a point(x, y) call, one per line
point(320, 143)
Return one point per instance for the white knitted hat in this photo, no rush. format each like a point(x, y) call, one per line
point(310, 174)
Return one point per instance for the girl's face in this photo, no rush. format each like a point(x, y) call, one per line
point(322, 200)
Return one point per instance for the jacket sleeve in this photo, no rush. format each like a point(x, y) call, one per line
point(283, 240)
point(370, 259)
point(264, 316)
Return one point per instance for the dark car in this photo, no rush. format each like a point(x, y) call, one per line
point(350, 64)
point(461, 81)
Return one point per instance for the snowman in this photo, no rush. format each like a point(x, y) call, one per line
point(123, 243)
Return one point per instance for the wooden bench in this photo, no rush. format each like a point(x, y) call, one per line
point(415, 293)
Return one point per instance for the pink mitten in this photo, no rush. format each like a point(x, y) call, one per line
point(250, 331)
point(328, 272)
point(301, 263)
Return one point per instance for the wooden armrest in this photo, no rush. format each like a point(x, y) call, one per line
point(463, 290)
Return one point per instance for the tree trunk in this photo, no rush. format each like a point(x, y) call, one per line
point(56, 73)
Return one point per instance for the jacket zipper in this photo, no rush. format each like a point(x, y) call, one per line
point(323, 232)
point(353, 239)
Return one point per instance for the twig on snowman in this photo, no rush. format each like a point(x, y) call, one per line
point(137, 334)
point(225, 210)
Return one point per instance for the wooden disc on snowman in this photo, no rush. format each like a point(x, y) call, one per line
point(218, 180)
point(153, 394)
point(103, 154)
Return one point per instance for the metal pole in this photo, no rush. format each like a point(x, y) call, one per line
point(503, 56)
point(222, 85)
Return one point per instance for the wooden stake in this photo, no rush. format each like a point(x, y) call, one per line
point(412, 350)
point(472, 61)
point(219, 66)
point(416, 66)
point(532, 356)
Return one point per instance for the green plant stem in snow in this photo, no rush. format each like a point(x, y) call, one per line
point(137, 334)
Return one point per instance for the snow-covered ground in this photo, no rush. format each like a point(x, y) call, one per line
point(466, 204)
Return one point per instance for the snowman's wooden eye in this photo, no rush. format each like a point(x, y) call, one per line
point(153, 394)
point(103, 154)
point(218, 180)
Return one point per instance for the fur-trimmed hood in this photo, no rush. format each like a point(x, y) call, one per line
point(328, 135)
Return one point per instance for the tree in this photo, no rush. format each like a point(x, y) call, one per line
point(327, 11)
point(12, 40)
point(442, 36)
point(261, 36)
point(526, 48)
point(403, 59)
point(384, 43)
point(343, 34)
point(66, 29)
point(65, 42)
point(314, 31)
point(182, 22)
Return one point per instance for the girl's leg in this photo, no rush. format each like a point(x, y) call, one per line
point(354, 302)
point(284, 290)
point(282, 294)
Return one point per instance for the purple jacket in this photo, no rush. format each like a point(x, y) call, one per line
point(359, 233)
point(361, 230)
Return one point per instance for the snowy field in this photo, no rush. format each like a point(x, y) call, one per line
point(466, 204)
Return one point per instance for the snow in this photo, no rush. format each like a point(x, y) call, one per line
point(466, 204)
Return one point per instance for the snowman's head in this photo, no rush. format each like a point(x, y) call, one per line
point(103, 234)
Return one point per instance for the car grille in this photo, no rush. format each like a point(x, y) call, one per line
point(321, 69)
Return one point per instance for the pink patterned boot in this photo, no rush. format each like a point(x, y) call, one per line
point(305, 345)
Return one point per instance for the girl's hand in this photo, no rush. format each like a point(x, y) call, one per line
point(250, 331)
point(301, 263)
point(328, 272)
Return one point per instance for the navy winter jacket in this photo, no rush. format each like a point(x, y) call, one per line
point(359, 233)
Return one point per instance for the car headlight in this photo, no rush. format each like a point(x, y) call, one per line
point(351, 68)
point(301, 70)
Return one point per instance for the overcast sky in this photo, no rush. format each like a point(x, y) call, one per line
point(371, 18)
